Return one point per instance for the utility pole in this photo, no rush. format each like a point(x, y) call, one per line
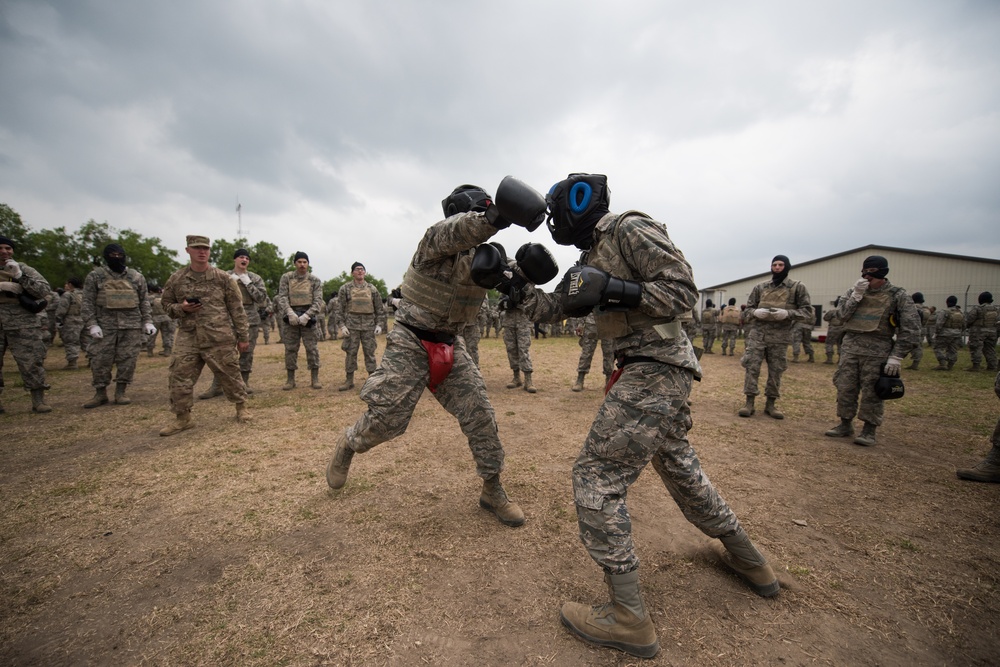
point(239, 219)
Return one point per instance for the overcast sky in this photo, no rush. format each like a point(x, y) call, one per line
point(749, 129)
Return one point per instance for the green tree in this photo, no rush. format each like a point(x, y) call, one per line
point(332, 286)
point(265, 260)
point(57, 255)
point(148, 256)
point(13, 228)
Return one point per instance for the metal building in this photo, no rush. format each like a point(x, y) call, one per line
point(937, 275)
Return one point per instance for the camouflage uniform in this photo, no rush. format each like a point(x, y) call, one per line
point(948, 336)
point(118, 304)
point(254, 298)
point(49, 321)
point(588, 345)
point(484, 318)
point(834, 334)
point(730, 318)
point(883, 324)
point(926, 325)
point(333, 317)
point(802, 339)
point(767, 340)
point(361, 310)
point(68, 314)
point(471, 334)
point(302, 295)
point(321, 321)
point(930, 326)
point(165, 327)
point(267, 321)
point(981, 321)
point(517, 331)
point(645, 416)
point(208, 336)
point(709, 320)
point(497, 321)
point(20, 330)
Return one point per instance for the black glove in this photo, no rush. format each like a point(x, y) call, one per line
point(397, 293)
point(517, 203)
point(587, 286)
point(536, 263)
point(489, 268)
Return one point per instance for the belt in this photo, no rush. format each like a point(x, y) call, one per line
point(430, 336)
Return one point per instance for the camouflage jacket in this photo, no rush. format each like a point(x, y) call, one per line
point(13, 315)
point(221, 319)
point(96, 310)
point(891, 316)
point(949, 322)
point(69, 312)
point(347, 298)
point(292, 282)
point(254, 296)
point(795, 300)
point(633, 246)
point(983, 316)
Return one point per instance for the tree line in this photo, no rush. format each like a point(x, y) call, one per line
point(60, 255)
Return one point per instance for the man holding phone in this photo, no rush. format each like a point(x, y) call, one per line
point(212, 329)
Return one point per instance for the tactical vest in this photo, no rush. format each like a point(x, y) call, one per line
point(925, 315)
point(299, 292)
point(872, 314)
point(245, 293)
point(987, 316)
point(156, 306)
point(730, 315)
point(9, 297)
point(117, 293)
point(954, 319)
point(458, 300)
point(778, 296)
point(75, 302)
point(707, 316)
point(607, 256)
point(359, 300)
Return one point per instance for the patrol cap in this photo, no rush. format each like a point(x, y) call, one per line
point(194, 241)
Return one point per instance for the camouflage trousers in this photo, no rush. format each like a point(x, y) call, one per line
point(265, 328)
point(393, 390)
point(365, 339)
point(856, 375)
point(928, 334)
point(246, 358)
point(728, 337)
point(644, 418)
point(119, 348)
point(589, 346)
point(165, 331)
point(757, 352)
point(471, 336)
point(946, 348)
point(834, 336)
point(185, 369)
point(517, 339)
point(983, 343)
point(802, 338)
point(308, 337)
point(708, 337)
point(28, 351)
point(70, 332)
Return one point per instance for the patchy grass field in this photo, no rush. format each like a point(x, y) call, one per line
point(224, 546)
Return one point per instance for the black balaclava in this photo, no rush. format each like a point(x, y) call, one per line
point(709, 304)
point(952, 301)
point(918, 297)
point(732, 302)
point(776, 278)
point(985, 297)
point(115, 264)
point(878, 262)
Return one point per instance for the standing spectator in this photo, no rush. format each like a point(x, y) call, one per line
point(588, 344)
point(363, 318)
point(70, 321)
point(981, 321)
point(117, 315)
point(834, 332)
point(802, 339)
point(772, 309)
point(212, 330)
point(165, 326)
point(948, 331)
point(881, 326)
point(730, 319)
point(926, 329)
point(22, 296)
point(709, 319)
point(300, 294)
point(517, 330)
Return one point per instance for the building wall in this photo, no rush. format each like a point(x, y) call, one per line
point(936, 277)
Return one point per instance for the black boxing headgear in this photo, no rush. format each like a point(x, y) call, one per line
point(951, 301)
point(116, 264)
point(241, 252)
point(875, 266)
point(466, 198)
point(776, 278)
point(918, 297)
point(300, 255)
point(985, 297)
point(575, 206)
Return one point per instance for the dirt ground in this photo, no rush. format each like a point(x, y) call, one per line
point(224, 546)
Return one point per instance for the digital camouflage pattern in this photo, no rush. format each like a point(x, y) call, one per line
point(295, 336)
point(517, 332)
point(165, 327)
point(123, 338)
point(470, 334)
point(20, 330)
point(768, 340)
point(588, 345)
point(255, 299)
point(802, 338)
point(709, 326)
point(981, 322)
point(948, 329)
point(70, 319)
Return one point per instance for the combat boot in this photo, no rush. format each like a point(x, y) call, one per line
point(165, 352)
point(915, 366)
point(494, 499)
point(149, 351)
point(844, 429)
point(100, 398)
point(741, 556)
point(38, 403)
point(942, 366)
point(795, 357)
point(213, 391)
point(579, 382)
point(246, 381)
point(290, 382)
point(622, 623)
point(242, 413)
point(120, 397)
point(811, 359)
point(771, 409)
point(829, 359)
point(348, 383)
point(340, 464)
point(315, 379)
point(748, 409)
point(867, 437)
point(182, 423)
point(70, 365)
point(528, 385)
point(974, 368)
point(951, 364)
point(516, 382)
point(987, 470)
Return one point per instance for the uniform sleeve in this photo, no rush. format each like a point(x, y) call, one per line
point(317, 296)
point(380, 317)
point(234, 304)
point(803, 305)
point(451, 236)
point(907, 325)
point(145, 311)
point(257, 291)
point(752, 302)
point(88, 309)
point(170, 301)
point(668, 288)
point(282, 298)
point(33, 283)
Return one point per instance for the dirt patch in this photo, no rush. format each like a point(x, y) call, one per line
point(223, 545)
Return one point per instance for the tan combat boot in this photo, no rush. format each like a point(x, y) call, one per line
point(314, 383)
point(987, 470)
point(748, 409)
point(529, 386)
point(70, 365)
point(579, 382)
point(290, 382)
point(742, 557)
point(38, 403)
point(622, 623)
point(213, 391)
point(844, 429)
point(242, 413)
point(771, 409)
point(100, 398)
point(348, 383)
point(120, 397)
point(494, 499)
point(340, 464)
point(867, 437)
point(516, 382)
point(182, 423)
